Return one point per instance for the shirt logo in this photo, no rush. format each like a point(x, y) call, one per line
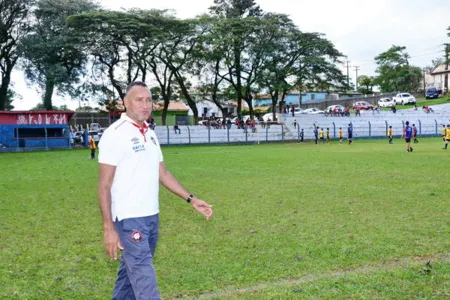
point(136, 236)
point(138, 148)
point(135, 140)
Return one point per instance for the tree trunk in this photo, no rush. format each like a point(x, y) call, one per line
point(237, 58)
point(249, 99)
point(49, 88)
point(224, 112)
point(188, 97)
point(274, 104)
point(4, 91)
point(114, 82)
point(165, 109)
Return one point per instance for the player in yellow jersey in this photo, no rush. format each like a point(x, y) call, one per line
point(321, 137)
point(443, 132)
point(447, 137)
point(390, 134)
point(340, 135)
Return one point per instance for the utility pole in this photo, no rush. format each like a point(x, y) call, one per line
point(356, 81)
point(447, 50)
point(424, 83)
point(348, 76)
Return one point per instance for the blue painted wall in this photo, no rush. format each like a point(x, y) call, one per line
point(293, 99)
point(61, 140)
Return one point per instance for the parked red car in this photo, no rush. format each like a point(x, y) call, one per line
point(362, 105)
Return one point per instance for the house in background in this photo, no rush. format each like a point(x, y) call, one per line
point(436, 78)
point(177, 112)
point(207, 109)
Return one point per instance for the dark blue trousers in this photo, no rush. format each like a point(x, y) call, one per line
point(136, 278)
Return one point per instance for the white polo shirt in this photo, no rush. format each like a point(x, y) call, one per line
point(135, 188)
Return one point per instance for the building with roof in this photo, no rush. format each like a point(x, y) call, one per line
point(436, 78)
point(35, 129)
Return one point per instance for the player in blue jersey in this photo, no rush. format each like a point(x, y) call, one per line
point(350, 133)
point(407, 135)
point(316, 134)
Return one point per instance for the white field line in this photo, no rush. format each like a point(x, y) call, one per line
point(386, 266)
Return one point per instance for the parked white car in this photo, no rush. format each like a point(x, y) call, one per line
point(269, 116)
point(312, 111)
point(404, 98)
point(386, 102)
point(78, 137)
point(298, 111)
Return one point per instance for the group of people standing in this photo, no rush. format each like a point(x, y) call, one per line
point(324, 136)
point(409, 132)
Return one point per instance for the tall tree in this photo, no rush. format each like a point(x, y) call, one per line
point(434, 63)
point(365, 84)
point(281, 54)
point(10, 97)
point(294, 58)
point(14, 15)
point(123, 48)
point(395, 73)
point(231, 9)
point(177, 52)
point(51, 58)
point(235, 31)
point(207, 66)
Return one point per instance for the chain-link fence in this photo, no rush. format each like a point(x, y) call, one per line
point(375, 126)
point(368, 125)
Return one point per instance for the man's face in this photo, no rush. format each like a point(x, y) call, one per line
point(138, 103)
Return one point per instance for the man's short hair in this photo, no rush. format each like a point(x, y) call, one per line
point(407, 122)
point(136, 83)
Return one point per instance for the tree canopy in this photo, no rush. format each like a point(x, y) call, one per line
point(395, 72)
point(52, 58)
point(14, 25)
point(78, 49)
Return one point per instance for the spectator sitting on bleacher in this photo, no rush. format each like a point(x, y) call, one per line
point(176, 128)
point(427, 109)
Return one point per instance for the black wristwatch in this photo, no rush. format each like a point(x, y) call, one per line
point(189, 199)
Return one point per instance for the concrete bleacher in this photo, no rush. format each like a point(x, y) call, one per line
point(367, 125)
point(203, 135)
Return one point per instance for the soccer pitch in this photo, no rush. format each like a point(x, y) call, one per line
point(291, 221)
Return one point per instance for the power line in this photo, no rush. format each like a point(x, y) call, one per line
point(372, 62)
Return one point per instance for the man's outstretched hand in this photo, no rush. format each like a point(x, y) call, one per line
point(202, 207)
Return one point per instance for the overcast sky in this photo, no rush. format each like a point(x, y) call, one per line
point(360, 29)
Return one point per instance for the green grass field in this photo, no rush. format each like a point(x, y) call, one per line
point(292, 221)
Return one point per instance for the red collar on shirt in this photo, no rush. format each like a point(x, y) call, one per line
point(143, 130)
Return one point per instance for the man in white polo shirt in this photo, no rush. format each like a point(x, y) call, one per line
point(131, 168)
